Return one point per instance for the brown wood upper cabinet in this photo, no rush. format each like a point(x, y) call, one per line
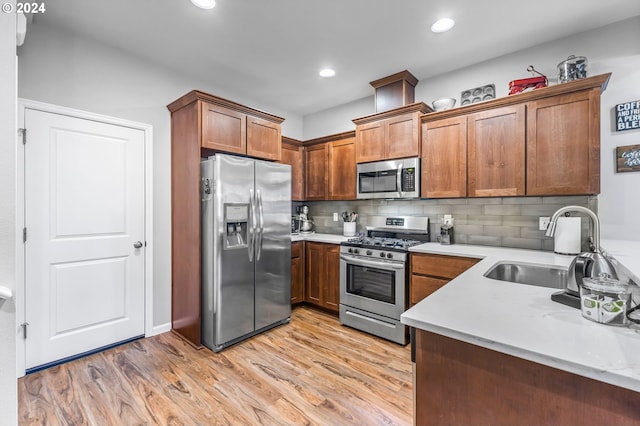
point(493, 142)
point(544, 142)
point(444, 158)
point(563, 144)
point(293, 154)
point(230, 127)
point(331, 168)
point(390, 134)
point(496, 144)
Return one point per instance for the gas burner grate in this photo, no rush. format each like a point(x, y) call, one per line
point(378, 242)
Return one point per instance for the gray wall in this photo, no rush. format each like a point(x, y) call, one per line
point(8, 126)
point(614, 48)
point(502, 222)
point(60, 68)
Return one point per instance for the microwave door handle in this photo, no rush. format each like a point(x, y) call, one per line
point(399, 180)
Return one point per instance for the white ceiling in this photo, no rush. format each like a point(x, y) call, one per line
point(272, 50)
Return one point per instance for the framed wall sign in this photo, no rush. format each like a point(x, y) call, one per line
point(628, 158)
point(628, 116)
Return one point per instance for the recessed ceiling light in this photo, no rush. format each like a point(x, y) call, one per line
point(442, 25)
point(204, 4)
point(327, 72)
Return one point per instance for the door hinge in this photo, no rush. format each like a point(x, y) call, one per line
point(24, 235)
point(23, 133)
point(24, 329)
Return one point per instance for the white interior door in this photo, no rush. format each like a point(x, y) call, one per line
point(84, 216)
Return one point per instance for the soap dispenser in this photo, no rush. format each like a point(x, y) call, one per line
point(446, 230)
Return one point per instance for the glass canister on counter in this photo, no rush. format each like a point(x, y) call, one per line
point(573, 68)
point(605, 300)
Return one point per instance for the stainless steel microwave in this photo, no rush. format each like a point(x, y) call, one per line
point(389, 179)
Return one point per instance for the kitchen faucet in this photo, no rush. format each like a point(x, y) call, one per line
point(594, 219)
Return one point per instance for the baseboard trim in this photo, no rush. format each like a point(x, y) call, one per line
point(159, 329)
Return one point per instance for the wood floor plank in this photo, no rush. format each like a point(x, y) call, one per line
point(312, 371)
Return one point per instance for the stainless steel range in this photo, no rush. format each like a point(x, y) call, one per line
point(374, 275)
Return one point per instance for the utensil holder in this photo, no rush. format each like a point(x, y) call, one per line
point(349, 229)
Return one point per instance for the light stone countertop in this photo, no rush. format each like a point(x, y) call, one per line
point(521, 320)
point(319, 238)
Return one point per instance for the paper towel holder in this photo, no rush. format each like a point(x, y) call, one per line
point(568, 235)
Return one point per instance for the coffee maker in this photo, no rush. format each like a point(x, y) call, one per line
point(306, 224)
point(446, 230)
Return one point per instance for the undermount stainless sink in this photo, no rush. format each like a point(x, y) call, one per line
point(528, 273)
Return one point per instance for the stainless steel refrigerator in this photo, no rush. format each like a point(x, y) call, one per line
point(246, 248)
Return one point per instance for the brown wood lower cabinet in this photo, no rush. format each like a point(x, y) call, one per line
point(297, 272)
point(429, 272)
point(322, 275)
point(457, 383)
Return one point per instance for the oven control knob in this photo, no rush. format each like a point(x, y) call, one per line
point(350, 250)
point(369, 252)
point(381, 254)
point(356, 251)
point(389, 256)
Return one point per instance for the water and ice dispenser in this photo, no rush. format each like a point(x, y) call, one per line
point(236, 225)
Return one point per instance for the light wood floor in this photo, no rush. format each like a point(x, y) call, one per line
point(312, 371)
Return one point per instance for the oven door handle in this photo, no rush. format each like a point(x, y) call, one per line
point(373, 264)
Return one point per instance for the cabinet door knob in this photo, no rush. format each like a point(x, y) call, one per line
point(137, 244)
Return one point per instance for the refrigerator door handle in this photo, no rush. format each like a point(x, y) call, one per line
point(399, 179)
point(252, 225)
point(260, 224)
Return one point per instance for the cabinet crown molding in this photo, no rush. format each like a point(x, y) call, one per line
point(330, 138)
point(420, 107)
point(197, 95)
point(595, 82)
point(399, 76)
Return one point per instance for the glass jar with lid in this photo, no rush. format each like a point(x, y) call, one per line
point(605, 300)
point(573, 68)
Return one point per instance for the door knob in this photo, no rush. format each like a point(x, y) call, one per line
point(137, 244)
